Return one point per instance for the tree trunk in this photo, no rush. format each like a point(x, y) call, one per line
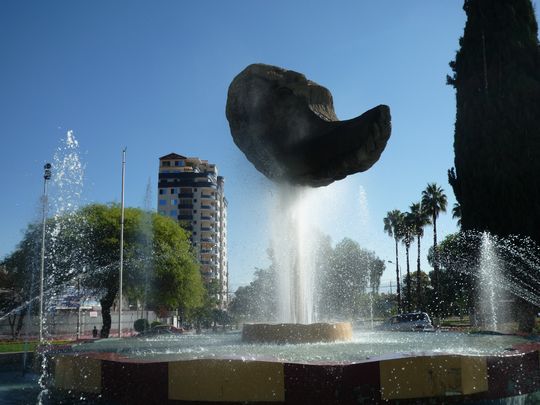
point(106, 304)
point(409, 297)
point(397, 280)
point(436, 267)
point(20, 323)
point(11, 321)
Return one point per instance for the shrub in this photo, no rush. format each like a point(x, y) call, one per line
point(140, 325)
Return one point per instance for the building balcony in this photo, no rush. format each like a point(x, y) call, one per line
point(185, 195)
point(208, 207)
point(213, 240)
point(207, 229)
point(185, 206)
point(185, 217)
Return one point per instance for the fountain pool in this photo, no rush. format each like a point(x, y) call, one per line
point(374, 367)
point(364, 345)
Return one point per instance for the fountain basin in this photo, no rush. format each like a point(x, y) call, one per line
point(283, 333)
point(122, 370)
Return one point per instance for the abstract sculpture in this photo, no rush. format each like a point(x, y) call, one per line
point(286, 126)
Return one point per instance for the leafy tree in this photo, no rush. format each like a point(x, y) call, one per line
point(424, 287)
point(458, 256)
point(85, 245)
point(376, 270)
point(419, 218)
point(343, 274)
point(258, 300)
point(434, 202)
point(346, 278)
point(496, 74)
point(393, 224)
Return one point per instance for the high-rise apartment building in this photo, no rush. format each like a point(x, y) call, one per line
point(190, 191)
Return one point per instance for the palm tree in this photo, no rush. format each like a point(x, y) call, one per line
point(393, 227)
point(456, 213)
point(408, 238)
point(419, 219)
point(434, 202)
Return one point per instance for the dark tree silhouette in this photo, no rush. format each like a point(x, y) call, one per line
point(496, 75)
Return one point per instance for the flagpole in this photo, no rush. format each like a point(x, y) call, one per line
point(121, 245)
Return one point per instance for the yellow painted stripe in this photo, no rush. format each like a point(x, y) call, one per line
point(421, 377)
point(80, 374)
point(226, 380)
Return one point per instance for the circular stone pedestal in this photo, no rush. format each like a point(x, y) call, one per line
point(282, 333)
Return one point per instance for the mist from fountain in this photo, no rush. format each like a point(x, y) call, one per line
point(298, 217)
point(489, 275)
point(294, 254)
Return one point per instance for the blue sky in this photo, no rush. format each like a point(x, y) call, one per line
point(153, 76)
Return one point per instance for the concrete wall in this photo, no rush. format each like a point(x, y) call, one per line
point(64, 323)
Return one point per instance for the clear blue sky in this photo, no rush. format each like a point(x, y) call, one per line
point(153, 76)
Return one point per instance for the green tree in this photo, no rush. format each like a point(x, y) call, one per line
point(376, 270)
point(85, 245)
point(346, 280)
point(258, 300)
point(458, 257)
point(424, 286)
point(496, 74)
point(434, 202)
point(456, 213)
point(393, 224)
point(419, 218)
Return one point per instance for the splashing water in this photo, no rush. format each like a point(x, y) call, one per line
point(294, 256)
point(489, 275)
point(65, 197)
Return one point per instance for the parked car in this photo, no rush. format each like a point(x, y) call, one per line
point(412, 321)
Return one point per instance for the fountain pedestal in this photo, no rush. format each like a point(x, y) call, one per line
point(283, 333)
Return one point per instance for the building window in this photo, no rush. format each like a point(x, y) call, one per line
point(166, 164)
point(174, 213)
point(162, 202)
point(174, 202)
point(194, 211)
point(173, 190)
point(180, 163)
point(161, 191)
point(195, 200)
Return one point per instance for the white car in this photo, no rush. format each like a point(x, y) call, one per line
point(412, 321)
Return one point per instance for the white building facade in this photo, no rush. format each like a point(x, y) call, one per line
point(191, 192)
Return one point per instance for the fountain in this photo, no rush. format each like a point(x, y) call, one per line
point(286, 126)
point(298, 359)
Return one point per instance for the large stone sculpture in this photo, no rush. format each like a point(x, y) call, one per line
point(286, 126)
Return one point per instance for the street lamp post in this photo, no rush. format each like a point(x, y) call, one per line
point(46, 177)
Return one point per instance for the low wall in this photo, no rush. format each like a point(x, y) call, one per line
point(64, 323)
point(394, 379)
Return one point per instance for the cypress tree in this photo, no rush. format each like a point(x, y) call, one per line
point(496, 75)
